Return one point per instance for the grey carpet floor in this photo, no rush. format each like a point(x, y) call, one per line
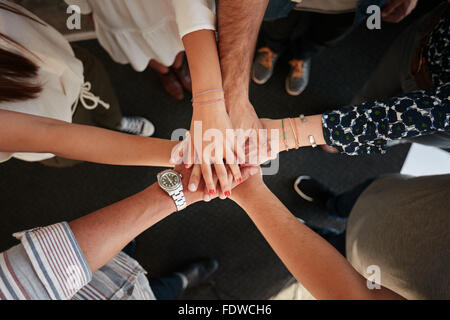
point(33, 195)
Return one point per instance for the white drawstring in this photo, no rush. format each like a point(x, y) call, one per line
point(87, 95)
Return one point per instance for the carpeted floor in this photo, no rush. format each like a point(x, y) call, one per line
point(33, 195)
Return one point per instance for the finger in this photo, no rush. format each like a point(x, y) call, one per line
point(236, 173)
point(233, 165)
point(194, 180)
point(207, 197)
point(219, 192)
point(222, 174)
point(248, 172)
point(208, 178)
point(230, 180)
point(239, 148)
point(189, 153)
point(177, 153)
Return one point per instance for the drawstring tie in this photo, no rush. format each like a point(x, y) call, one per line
point(88, 99)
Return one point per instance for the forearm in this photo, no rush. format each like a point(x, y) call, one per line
point(312, 261)
point(102, 234)
point(203, 58)
point(367, 127)
point(98, 145)
point(295, 133)
point(26, 133)
point(238, 27)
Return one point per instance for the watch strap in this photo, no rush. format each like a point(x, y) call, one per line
point(179, 198)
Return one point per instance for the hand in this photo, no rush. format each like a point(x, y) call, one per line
point(243, 117)
point(210, 143)
point(255, 183)
point(397, 10)
point(201, 193)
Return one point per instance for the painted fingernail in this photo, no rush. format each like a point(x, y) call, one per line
point(186, 166)
point(212, 192)
point(192, 187)
point(207, 198)
point(227, 194)
point(239, 180)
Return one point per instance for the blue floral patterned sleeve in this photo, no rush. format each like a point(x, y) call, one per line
point(367, 127)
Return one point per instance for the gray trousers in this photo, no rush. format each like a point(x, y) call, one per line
point(393, 76)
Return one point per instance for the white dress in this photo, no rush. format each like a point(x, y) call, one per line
point(137, 31)
point(60, 73)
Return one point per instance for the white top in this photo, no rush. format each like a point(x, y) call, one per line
point(138, 31)
point(60, 73)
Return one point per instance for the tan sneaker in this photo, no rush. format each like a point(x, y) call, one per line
point(298, 77)
point(264, 64)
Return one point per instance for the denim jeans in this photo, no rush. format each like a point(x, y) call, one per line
point(305, 34)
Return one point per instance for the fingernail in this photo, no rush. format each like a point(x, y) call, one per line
point(192, 187)
point(239, 180)
point(227, 194)
point(212, 192)
point(186, 166)
point(207, 198)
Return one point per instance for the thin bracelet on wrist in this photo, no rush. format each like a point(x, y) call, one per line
point(298, 133)
point(203, 103)
point(295, 135)
point(206, 92)
point(284, 135)
point(311, 138)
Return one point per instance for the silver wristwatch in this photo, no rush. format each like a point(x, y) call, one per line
point(170, 181)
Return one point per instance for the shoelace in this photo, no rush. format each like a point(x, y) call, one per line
point(267, 59)
point(86, 95)
point(133, 125)
point(298, 65)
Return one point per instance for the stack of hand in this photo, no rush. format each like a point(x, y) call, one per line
point(220, 144)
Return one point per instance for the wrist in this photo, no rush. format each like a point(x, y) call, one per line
point(165, 202)
point(208, 98)
point(296, 132)
point(236, 97)
point(286, 136)
point(250, 193)
point(155, 196)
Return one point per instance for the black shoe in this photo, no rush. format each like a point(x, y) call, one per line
point(263, 66)
point(311, 190)
point(199, 272)
point(298, 77)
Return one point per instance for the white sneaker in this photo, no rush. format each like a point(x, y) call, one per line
point(138, 126)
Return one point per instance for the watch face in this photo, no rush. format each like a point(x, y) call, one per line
point(169, 180)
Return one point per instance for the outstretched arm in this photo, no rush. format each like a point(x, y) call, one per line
point(367, 127)
point(21, 132)
point(312, 261)
point(238, 26)
point(209, 111)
